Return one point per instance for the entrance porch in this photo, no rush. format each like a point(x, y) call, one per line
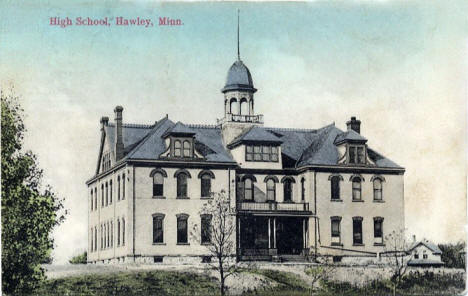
point(269, 237)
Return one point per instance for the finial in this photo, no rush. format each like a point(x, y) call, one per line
point(238, 51)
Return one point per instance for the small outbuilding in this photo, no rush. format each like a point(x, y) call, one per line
point(426, 254)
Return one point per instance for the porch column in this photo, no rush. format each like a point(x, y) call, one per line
point(269, 234)
point(274, 233)
point(304, 233)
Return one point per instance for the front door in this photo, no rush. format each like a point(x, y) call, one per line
point(289, 234)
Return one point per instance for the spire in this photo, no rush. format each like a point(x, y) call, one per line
point(238, 51)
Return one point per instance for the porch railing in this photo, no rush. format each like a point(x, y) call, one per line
point(273, 206)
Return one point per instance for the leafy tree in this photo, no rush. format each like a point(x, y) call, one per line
point(452, 254)
point(396, 254)
point(221, 231)
point(79, 259)
point(29, 212)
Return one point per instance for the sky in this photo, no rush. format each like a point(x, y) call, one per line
point(400, 67)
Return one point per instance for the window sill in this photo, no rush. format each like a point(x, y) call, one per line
point(159, 244)
point(379, 201)
point(206, 197)
point(358, 200)
point(379, 244)
point(183, 244)
point(336, 200)
point(206, 244)
point(337, 244)
point(182, 197)
point(158, 197)
point(358, 245)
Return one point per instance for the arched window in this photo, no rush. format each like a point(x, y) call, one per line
point(248, 189)
point(335, 187)
point(287, 190)
point(205, 185)
point(118, 188)
point(177, 149)
point(182, 228)
point(377, 189)
point(233, 107)
point(158, 184)
point(123, 231)
point(158, 228)
point(244, 106)
point(110, 192)
point(107, 194)
point(118, 232)
point(187, 149)
point(123, 186)
point(182, 185)
point(357, 188)
point(303, 189)
point(271, 190)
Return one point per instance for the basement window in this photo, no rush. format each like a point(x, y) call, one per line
point(158, 259)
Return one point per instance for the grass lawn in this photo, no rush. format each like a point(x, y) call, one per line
point(162, 283)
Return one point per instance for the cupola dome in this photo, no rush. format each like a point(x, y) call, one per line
point(239, 78)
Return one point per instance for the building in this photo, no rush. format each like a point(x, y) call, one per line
point(297, 192)
point(426, 254)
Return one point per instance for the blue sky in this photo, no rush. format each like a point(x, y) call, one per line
point(400, 67)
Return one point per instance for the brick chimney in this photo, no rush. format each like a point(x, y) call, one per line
point(104, 122)
point(119, 146)
point(354, 125)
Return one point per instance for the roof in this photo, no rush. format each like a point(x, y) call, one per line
point(349, 135)
point(430, 245)
point(239, 78)
point(255, 134)
point(424, 262)
point(299, 147)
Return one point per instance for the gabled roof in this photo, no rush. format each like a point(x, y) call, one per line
point(430, 245)
point(351, 136)
point(255, 134)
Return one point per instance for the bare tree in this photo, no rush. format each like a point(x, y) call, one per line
point(217, 234)
point(397, 256)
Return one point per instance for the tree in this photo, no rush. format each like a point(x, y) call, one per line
point(452, 254)
point(29, 210)
point(79, 259)
point(396, 254)
point(220, 231)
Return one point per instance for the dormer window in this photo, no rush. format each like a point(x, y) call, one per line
point(182, 147)
point(265, 153)
point(356, 154)
point(177, 149)
point(106, 161)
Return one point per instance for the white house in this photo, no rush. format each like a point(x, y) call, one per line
point(425, 253)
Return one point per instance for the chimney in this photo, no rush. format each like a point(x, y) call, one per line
point(354, 125)
point(104, 122)
point(414, 238)
point(119, 146)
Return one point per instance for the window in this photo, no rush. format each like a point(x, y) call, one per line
point(377, 189)
point(182, 229)
point(181, 185)
point(177, 149)
point(271, 190)
point(118, 188)
point(378, 230)
point(303, 189)
point(110, 192)
point(205, 229)
point(123, 186)
point(158, 184)
point(357, 231)
point(335, 187)
point(118, 232)
point(357, 155)
point(287, 188)
point(101, 237)
point(107, 195)
point(95, 238)
point(424, 254)
point(123, 231)
point(158, 230)
point(416, 255)
point(335, 230)
point(205, 185)
point(102, 195)
point(108, 235)
point(95, 199)
point(92, 199)
point(112, 234)
point(248, 189)
point(261, 153)
point(356, 188)
point(187, 149)
point(92, 236)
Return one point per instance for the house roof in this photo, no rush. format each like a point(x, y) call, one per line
point(303, 147)
point(430, 245)
point(351, 136)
